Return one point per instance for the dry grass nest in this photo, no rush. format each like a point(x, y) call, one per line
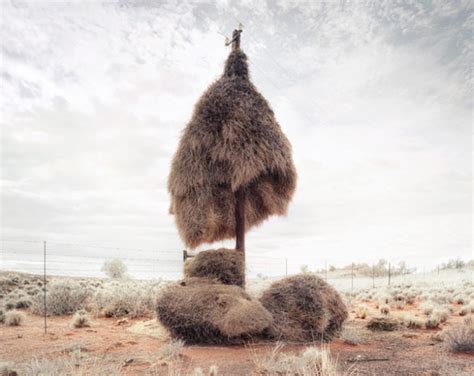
point(224, 265)
point(233, 142)
point(304, 308)
point(200, 310)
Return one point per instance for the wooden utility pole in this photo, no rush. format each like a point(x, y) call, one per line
point(240, 221)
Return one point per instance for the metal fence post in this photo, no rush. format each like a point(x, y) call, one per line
point(44, 287)
point(286, 266)
point(389, 274)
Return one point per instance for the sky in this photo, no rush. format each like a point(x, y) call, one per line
point(375, 97)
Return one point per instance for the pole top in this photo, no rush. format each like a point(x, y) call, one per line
point(235, 41)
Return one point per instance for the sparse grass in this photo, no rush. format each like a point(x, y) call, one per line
point(461, 338)
point(427, 308)
point(312, 362)
point(81, 319)
point(14, 318)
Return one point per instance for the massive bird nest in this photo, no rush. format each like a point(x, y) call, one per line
point(201, 310)
point(304, 308)
point(225, 265)
point(232, 142)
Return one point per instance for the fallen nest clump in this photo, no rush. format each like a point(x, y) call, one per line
point(304, 308)
point(225, 265)
point(200, 310)
point(383, 323)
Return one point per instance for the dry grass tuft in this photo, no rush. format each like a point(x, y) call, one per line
point(311, 362)
point(461, 338)
point(8, 369)
point(171, 350)
point(362, 312)
point(81, 319)
point(14, 318)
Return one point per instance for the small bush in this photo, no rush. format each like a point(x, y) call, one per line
point(432, 322)
point(2, 316)
point(172, 349)
point(351, 337)
point(461, 338)
point(362, 312)
point(81, 319)
point(441, 314)
point(411, 321)
point(385, 309)
point(115, 269)
point(7, 369)
point(14, 318)
point(62, 297)
point(427, 308)
point(125, 299)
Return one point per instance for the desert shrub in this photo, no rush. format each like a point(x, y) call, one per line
point(8, 369)
point(351, 336)
point(10, 304)
point(411, 321)
point(199, 310)
point(304, 308)
point(14, 318)
point(225, 265)
point(442, 314)
point(81, 319)
point(362, 312)
point(312, 361)
point(432, 322)
point(172, 349)
point(383, 323)
point(115, 269)
point(385, 309)
point(427, 308)
point(469, 308)
point(62, 297)
point(2, 316)
point(125, 299)
point(461, 338)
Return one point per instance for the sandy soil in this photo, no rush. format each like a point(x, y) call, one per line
point(134, 345)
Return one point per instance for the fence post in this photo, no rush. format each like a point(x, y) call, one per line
point(389, 272)
point(373, 276)
point(44, 287)
point(352, 277)
point(326, 269)
point(286, 266)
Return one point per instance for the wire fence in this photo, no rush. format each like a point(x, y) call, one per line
point(86, 260)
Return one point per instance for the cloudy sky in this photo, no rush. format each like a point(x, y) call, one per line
point(375, 96)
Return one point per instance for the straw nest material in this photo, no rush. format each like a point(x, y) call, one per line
point(200, 310)
point(232, 142)
point(304, 308)
point(225, 265)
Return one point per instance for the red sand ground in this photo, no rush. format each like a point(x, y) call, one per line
point(404, 352)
